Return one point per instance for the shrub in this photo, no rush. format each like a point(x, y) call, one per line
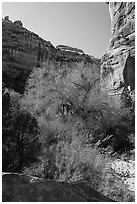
point(75, 161)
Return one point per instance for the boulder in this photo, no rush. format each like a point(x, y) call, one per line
point(22, 188)
point(6, 18)
point(18, 22)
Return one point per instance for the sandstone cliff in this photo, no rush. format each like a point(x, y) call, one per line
point(118, 64)
point(21, 51)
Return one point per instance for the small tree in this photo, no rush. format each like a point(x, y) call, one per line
point(20, 143)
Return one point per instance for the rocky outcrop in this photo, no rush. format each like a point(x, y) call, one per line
point(22, 50)
point(118, 64)
point(21, 188)
point(18, 22)
point(69, 49)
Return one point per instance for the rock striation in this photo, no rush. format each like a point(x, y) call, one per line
point(21, 188)
point(69, 49)
point(118, 63)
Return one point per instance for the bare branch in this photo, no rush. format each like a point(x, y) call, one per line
point(79, 85)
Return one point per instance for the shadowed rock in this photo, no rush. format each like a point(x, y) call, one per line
point(22, 188)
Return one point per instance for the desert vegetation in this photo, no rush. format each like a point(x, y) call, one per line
point(64, 129)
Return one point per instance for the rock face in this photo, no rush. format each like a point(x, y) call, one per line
point(118, 64)
point(23, 50)
point(22, 188)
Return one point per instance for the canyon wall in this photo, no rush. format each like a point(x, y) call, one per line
point(22, 50)
point(118, 63)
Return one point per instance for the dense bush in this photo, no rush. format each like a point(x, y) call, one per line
point(62, 102)
point(77, 162)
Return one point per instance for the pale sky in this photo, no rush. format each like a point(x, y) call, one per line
point(84, 25)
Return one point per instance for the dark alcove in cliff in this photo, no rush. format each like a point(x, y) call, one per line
point(129, 73)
